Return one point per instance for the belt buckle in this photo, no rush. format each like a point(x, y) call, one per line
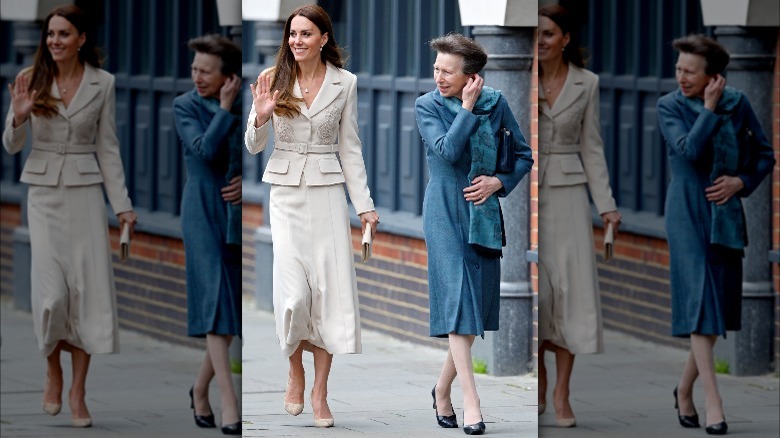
point(302, 148)
point(61, 148)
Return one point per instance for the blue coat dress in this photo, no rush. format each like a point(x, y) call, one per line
point(706, 280)
point(213, 266)
point(463, 285)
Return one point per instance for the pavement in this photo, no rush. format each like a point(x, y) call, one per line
point(384, 392)
point(627, 392)
point(140, 392)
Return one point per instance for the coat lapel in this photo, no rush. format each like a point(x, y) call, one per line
point(88, 90)
point(446, 115)
point(330, 90)
point(573, 87)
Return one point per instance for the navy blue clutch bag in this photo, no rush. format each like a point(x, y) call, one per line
point(505, 160)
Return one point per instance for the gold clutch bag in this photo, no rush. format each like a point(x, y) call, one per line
point(609, 242)
point(366, 247)
point(124, 243)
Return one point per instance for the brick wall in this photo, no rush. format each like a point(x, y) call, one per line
point(10, 218)
point(534, 195)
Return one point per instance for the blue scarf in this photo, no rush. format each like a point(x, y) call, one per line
point(235, 150)
point(485, 219)
point(728, 220)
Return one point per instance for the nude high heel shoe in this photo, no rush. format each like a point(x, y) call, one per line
point(81, 422)
point(293, 409)
point(52, 408)
point(321, 422)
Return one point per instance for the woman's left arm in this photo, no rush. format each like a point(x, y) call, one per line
point(351, 154)
point(762, 156)
point(108, 155)
point(523, 155)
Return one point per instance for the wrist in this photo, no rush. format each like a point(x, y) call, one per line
point(18, 121)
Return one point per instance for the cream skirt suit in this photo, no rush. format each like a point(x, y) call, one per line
point(571, 156)
point(74, 156)
point(315, 290)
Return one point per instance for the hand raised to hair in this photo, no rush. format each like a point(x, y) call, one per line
point(263, 99)
point(471, 91)
point(713, 91)
point(229, 92)
point(22, 99)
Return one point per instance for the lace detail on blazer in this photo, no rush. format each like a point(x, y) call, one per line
point(284, 130)
point(329, 128)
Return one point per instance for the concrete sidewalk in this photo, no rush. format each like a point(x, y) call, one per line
point(140, 392)
point(627, 392)
point(384, 392)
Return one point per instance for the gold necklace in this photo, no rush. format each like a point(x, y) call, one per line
point(69, 82)
point(306, 89)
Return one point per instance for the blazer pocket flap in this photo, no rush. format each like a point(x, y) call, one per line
point(87, 166)
point(35, 165)
point(572, 165)
point(330, 165)
point(278, 165)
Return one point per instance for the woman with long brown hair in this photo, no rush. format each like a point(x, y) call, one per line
point(571, 157)
point(68, 103)
point(312, 103)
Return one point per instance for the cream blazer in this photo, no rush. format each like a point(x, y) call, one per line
point(78, 146)
point(306, 146)
point(576, 153)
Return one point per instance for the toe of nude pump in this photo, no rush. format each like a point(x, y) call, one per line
point(323, 422)
point(52, 408)
point(293, 409)
point(81, 422)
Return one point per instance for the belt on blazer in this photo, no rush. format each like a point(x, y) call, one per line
point(552, 148)
point(65, 148)
point(304, 148)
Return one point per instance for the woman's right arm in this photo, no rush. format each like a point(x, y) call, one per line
point(22, 101)
point(263, 105)
point(687, 143)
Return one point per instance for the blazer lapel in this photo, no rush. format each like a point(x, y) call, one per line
point(331, 88)
point(572, 89)
point(89, 88)
point(55, 93)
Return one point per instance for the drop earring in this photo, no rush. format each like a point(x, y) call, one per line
point(321, 48)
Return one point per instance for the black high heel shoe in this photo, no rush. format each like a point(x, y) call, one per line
point(717, 429)
point(232, 429)
point(446, 421)
point(206, 421)
point(473, 429)
point(685, 420)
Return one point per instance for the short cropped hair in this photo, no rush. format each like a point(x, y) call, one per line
point(716, 56)
point(474, 56)
point(225, 49)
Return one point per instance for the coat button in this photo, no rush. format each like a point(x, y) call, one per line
point(476, 265)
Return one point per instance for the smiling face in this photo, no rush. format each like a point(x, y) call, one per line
point(551, 40)
point(305, 39)
point(63, 39)
point(448, 75)
point(206, 74)
point(690, 74)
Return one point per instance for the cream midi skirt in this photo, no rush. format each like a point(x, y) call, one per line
point(315, 290)
point(569, 301)
point(73, 296)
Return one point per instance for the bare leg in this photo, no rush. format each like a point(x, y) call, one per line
point(200, 390)
point(564, 363)
point(217, 346)
point(52, 389)
point(444, 386)
point(319, 394)
point(542, 375)
point(460, 347)
point(685, 386)
point(297, 379)
point(701, 346)
point(78, 406)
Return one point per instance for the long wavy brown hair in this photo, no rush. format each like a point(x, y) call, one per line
point(44, 69)
point(285, 67)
